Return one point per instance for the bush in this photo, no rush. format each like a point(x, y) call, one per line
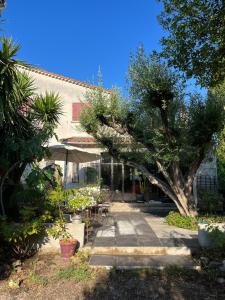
point(211, 219)
point(210, 201)
point(217, 236)
point(176, 219)
point(22, 239)
point(82, 198)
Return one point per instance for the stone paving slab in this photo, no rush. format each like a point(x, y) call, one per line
point(134, 239)
point(126, 229)
point(153, 261)
point(130, 229)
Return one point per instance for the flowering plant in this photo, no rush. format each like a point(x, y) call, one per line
point(82, 198)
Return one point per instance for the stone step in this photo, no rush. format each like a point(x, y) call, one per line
point(140, 251)
point(144, 261)
point(137, 207)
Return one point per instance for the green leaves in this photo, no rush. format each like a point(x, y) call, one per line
point(47, 108)
point(151, 80)
point(195, 41)
point(159, 127)
point(27, 120)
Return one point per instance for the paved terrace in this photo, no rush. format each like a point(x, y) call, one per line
point(136, 235)
point(128, 226)
point(133, 229)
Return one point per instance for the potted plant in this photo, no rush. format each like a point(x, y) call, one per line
point(77, 203)
point(58, 230)
point(67, 243)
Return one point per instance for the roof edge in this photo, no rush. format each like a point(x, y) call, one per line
point(61, 77)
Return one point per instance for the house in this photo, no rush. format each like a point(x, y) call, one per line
point(114, 174)
point(72, 95)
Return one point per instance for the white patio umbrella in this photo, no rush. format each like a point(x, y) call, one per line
point(69, 153)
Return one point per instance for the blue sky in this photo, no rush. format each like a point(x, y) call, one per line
point(75, 37)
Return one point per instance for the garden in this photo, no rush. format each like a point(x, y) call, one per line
point(48, 277)
point(165, 130)
point(35, 207)
point(46, 209)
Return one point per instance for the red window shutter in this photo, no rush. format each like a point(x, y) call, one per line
point(76, 110)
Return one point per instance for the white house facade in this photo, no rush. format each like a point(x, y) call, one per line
point(72, 96)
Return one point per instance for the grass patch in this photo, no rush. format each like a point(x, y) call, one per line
point(34, 277)
point(79, 273)
point(37, 279)
point(176, 219)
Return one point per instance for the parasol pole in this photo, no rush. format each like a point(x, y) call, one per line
point(65, 171)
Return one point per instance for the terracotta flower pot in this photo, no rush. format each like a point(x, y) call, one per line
point(67, 247)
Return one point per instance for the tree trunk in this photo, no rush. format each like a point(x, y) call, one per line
point(184, 203)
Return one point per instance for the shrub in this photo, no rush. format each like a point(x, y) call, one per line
point(217, 236)
point(211, 219)
point(23, 238)
point(210, 201)
point(176, 219)
point(82, 198)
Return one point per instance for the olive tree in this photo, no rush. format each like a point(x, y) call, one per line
point(159, 126)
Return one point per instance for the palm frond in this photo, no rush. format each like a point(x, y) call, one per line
point(47, 108)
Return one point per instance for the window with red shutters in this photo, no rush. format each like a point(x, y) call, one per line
point(76, 110)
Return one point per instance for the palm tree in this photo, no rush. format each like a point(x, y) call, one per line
point(27, 120)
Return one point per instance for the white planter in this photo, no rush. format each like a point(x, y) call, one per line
point(76, 219)
point(203, 233)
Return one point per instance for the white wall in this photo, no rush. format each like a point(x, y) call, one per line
point(69, 93)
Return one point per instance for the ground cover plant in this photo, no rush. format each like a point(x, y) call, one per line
point(187, 222)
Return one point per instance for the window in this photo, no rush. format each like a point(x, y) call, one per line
point(75, 172)
point(76, 110)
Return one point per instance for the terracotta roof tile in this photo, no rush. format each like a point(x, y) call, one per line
point(60, 77)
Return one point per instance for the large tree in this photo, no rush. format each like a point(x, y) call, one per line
point(27, 120)
point(195, 42)
point(219, 91)
point(158, 127)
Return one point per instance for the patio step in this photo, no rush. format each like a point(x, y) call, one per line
point(137, 207)
point(140, 251)
point(145, 261)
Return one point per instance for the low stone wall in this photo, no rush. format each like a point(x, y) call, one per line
point(48, 243)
